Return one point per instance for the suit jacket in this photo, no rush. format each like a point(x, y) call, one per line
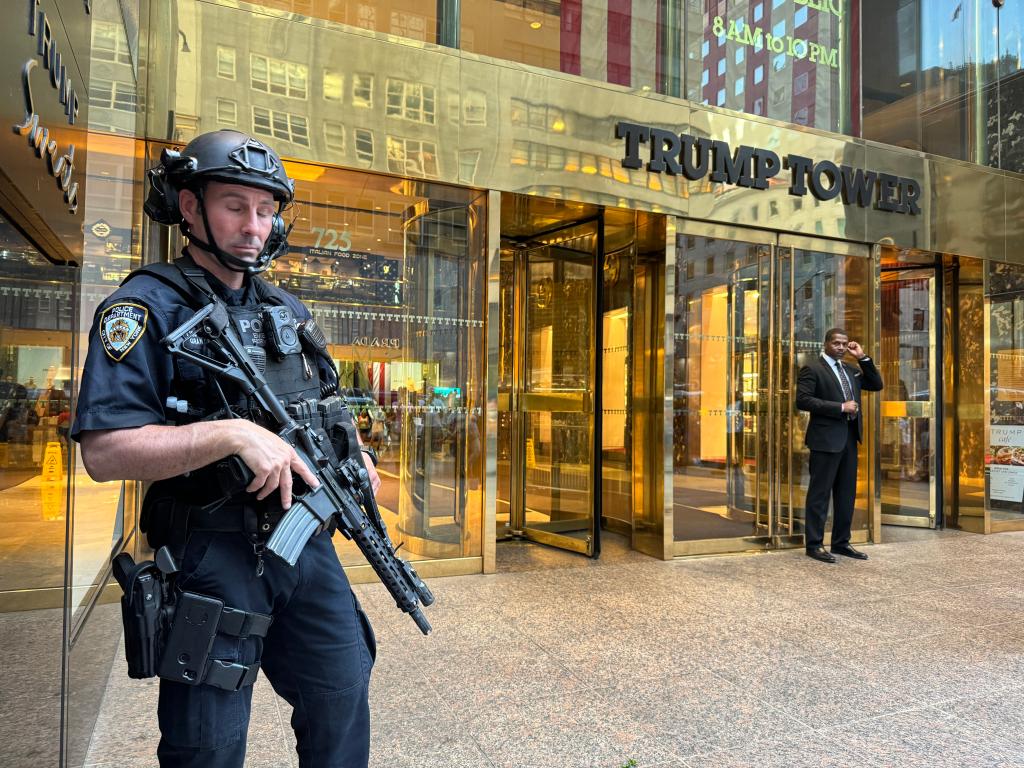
point(819, 392)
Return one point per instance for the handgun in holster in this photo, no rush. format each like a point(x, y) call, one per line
point(169, 632)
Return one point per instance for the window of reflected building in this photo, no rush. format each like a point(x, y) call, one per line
point(788, 61)
point(946, 78)
point(611, 41)
point(393, 271)
point(404, 18)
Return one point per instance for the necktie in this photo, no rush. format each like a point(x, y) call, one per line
point(847, 389)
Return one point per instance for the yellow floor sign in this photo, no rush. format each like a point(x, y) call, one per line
point(53, 463)
point(51, 489)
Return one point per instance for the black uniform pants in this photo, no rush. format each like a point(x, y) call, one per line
point(317, 656)
point(832, 475)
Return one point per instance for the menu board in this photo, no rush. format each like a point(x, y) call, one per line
point(1006, 463)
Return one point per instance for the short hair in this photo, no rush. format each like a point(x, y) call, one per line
point(831, 333)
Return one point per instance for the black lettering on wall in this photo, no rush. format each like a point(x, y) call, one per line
point(858, 186)
point(766, 166)
point(800, 165)
point(911, 194)
point(754, 167)
point(822, 170)
point(634, 135)
point(732, 168)
point(665, 146)
point(888, 193)
point(695, 154)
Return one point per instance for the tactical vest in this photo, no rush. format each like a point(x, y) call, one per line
point(292, 376)
point(290, 367)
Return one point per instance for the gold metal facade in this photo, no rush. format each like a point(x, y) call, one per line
point(371, 119)
point(340, 93)
point(505, 126)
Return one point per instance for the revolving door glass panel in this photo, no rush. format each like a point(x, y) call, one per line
point(820, 286)
point(719, 486)
point(908, 413)
point(556, 405)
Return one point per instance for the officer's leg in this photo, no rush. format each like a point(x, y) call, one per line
point(203, 726)
point(318, 657)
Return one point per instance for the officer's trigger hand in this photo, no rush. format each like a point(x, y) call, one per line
point(303, 474)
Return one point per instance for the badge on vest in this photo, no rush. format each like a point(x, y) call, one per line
point(121, 326)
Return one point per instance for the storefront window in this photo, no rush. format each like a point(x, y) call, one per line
point(35, 406)
point(1004, 375)
point(36, 315)
point(946, 78)
point(104, 512)
point(789, 61)
point(393, 272)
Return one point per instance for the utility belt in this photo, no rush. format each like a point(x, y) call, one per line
point(170, 633)
point(170, 513)
point(256, 523)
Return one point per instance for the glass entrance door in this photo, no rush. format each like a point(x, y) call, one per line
point(909, 355)
point(751, 308)
point(552, 394)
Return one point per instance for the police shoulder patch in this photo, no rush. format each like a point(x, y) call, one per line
point(121, 326)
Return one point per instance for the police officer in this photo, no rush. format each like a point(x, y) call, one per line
point(226, 191)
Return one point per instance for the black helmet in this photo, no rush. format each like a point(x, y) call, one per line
point(230, 157)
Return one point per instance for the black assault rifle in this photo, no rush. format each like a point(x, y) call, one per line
point(344, 495)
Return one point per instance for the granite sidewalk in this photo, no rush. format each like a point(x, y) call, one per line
point(913, 658)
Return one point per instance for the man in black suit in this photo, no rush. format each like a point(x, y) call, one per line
point(830, 390)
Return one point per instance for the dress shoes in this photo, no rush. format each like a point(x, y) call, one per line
point(820, 553)
point(849, 551)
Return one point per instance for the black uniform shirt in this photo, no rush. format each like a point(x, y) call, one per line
point(128, 373)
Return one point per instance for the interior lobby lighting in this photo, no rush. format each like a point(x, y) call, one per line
point(302, 171)
point(558, 126)
point(535, 25)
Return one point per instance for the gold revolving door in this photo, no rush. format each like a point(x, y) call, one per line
point(547, 374)
point(580, 391)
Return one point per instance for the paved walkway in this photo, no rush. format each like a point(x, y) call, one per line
point(914, 658)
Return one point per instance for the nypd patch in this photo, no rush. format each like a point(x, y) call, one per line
point(121, 326)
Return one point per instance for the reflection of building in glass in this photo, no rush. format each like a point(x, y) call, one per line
point(946, 77)
point(778, 59)
point(112, 91)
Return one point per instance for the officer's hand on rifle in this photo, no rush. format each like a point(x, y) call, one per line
point(270, 459)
